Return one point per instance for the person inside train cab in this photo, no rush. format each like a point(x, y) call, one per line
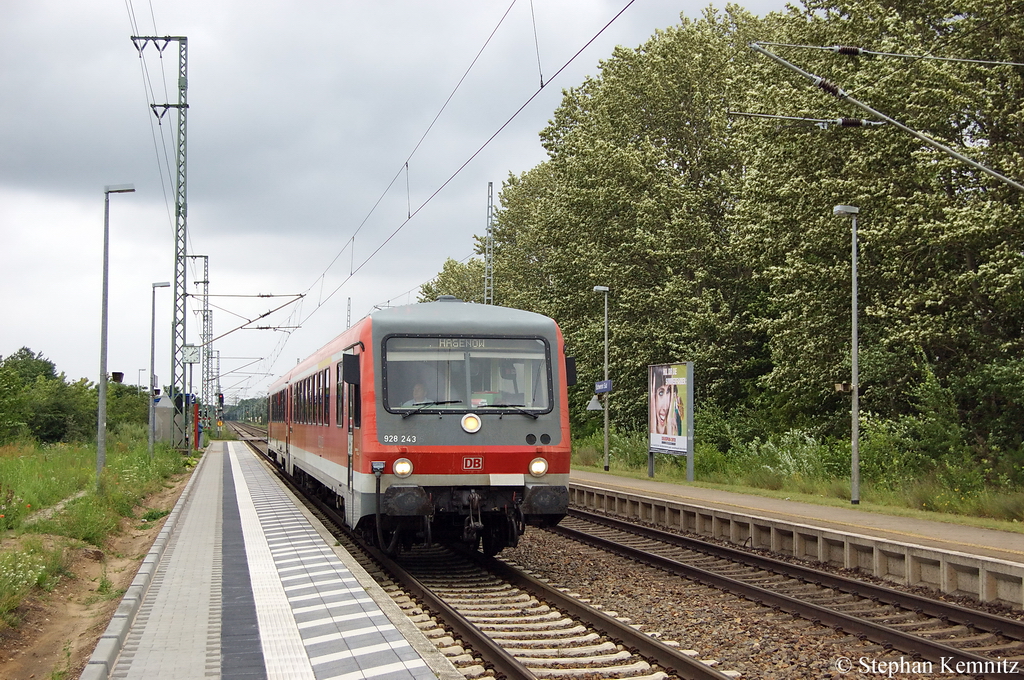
point(419, 395)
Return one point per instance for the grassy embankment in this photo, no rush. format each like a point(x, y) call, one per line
point(50, 505)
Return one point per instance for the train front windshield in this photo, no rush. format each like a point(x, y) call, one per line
point(466, 374)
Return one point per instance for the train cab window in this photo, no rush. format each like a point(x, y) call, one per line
point(443, 374)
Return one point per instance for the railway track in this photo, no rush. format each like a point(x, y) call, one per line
point(977, 643)
point(519, 626)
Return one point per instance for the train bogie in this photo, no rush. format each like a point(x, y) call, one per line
point(442, 421)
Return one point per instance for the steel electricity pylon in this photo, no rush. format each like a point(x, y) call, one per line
point(179, 430)
point(207, 388)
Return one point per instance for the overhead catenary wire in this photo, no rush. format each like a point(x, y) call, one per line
point(279, 349)
point(469, 160)
point(300, 312)
point(821, 122)
point(404, 168)
point(855, 51)
point(839, 93)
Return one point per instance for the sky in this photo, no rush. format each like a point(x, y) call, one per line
point(311, 138)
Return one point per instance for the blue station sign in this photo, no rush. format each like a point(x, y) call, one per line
point(602, 386)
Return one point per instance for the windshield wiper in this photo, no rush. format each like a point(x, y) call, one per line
point(423, 404)
point(518, 407)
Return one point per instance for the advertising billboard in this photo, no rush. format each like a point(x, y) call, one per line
point(670, 407)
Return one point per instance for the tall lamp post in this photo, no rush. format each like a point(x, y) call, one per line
point(152, 368)
point(604, 289)
point(851, 212)
point(101, 416)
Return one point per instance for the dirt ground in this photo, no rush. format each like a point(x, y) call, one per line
point(59, 629)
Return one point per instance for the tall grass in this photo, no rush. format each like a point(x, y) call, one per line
point(32, 478)
point(36, 478)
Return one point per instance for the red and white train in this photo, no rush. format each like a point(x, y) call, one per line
point(443, 421)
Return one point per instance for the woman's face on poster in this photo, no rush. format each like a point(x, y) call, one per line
point(662, 402)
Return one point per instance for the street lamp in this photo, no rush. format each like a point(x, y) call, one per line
point(851, 212)
point(101, 415)
point(604, 289)
point(152, 368)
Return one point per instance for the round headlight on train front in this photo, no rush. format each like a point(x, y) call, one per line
point(402, 467)
point(538, 467)
point(471, 423)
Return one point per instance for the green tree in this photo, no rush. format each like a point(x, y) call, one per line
point(636, 195)
point(716, 236)
point(941, 247)
point(29, 366)
point(126, 405)
point(60, 411)
point(12, 406)
point(463, 280)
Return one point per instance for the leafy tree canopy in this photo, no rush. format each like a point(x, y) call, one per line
point(715, 232)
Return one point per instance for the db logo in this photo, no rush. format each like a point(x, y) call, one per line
point(474, 464)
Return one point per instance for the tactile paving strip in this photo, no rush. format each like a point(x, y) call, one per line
point(305, 594)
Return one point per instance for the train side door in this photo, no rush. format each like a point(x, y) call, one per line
point(288, 431)
point(350, 377)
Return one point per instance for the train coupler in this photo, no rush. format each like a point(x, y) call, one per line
point(474, 521)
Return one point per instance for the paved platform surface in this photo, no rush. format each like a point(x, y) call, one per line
point(1004, 545)
point(250, 586)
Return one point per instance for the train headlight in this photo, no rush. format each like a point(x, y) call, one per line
point(538, 467)
point(402, 467)
point(471, 423)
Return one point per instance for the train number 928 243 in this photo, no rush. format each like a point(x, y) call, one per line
point(398, 438)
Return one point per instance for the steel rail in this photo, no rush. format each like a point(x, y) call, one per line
point(947, 611)
point(889, 637)
point(671, 660)
point(496, 657)
point(503, 663)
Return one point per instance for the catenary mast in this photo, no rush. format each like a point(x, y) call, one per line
point(179, 430)
point(489, 248)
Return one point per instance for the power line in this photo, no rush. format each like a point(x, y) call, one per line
point(839, 93)
point(469, 160)
point(854, 51)
point(297, 312)
point(405, 166)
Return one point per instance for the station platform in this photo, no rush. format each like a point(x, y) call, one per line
point(242, 582)
point(1004, 545)
point(957, 559)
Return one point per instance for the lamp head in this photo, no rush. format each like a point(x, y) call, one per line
point(600, 289)
point(162, 284)
point(119, 189)
point(845, 210)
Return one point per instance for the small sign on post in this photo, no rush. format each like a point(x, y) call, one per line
point(602, 386)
